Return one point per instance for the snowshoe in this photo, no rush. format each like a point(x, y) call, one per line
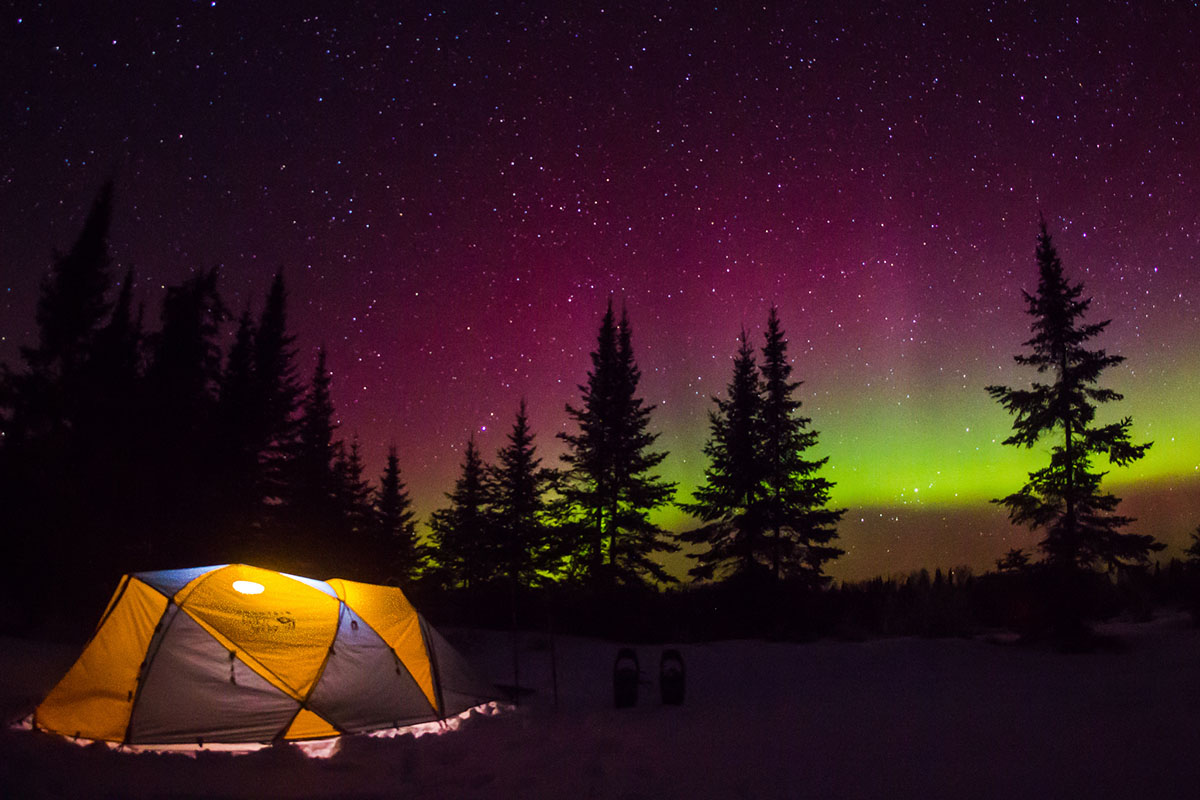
point(625, 678)
point(671, 678)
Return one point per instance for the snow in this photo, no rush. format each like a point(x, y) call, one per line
point(889, 718)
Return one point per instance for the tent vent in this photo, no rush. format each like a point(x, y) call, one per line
point(354, 625)
point(232, 679)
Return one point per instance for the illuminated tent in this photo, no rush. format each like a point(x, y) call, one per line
point(236, 654)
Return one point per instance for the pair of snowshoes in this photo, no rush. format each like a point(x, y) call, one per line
point(627, 675)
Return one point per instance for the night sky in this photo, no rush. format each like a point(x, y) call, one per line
point(455, 192)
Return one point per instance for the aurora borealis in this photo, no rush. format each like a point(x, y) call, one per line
point(454, 192)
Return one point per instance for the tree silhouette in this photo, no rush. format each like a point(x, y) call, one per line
point(277, 391)
point(313, 487)
point(800, 525)
point(462, 532)
point(181, 381)
point(1191, 553)
point(1082, 530)
point(185, 367)
point(353, 490)
point(730, 501)
point(242, 440)
point(72, 304)
point(516, 493)
point(764, 503)
point(1016, 560)
point(52, 419)
point(117, 357)
point(403, 554)
point(43, 403)
point(111, 429)
point(609, 482)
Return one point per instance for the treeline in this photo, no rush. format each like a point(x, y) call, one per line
point(958, 602)
point(128, 446)
point(125, 448)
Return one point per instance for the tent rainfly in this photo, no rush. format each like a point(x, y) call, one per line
point(239, 654)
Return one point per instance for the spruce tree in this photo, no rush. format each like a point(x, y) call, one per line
point(241, 440)
point(182, 380)
point(354, 492)
point(314, 484)
point(609, 482)
point(111, 444)
point(355, 529)
point(516, 487)
point(72, 304)
point(51, 426)
point(764, 504)
point(43, 403)
point(277, 392)
point(117, 355)
point(799, 524)
point(1082, 530)
point(312, 487)
point(185, 368)
point(401, 553)
point(461, 532)
point(730, 501)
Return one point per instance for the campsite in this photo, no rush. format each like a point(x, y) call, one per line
point(621, 401)
point(894, 717)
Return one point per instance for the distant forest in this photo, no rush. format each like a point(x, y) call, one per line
point(126, 448)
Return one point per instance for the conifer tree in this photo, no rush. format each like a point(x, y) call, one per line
point(1082, 529)
point(402, 553)
point(277, 391)
point(185, 368)
point(354, 492)
point(314, 484)
point(1191, 553)
point(609, 481)
point(43, 402)
point(242, 439)
point(313, 488)
point(117, 354)
point(355, 529)
point(111, 442)
point(49, 414)
point(764, 504)
point(181, 383)
point(798, 521)
point(730, 501)
point(461, 532)
point(72, 304)
point(517, 486)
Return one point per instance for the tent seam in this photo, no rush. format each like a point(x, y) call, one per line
point(435, 671)
point(152, 648)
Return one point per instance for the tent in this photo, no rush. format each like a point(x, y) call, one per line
point(234, 653)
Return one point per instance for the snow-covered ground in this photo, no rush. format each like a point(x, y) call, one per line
point(889, 718)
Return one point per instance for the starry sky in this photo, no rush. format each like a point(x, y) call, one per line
point(454, 192)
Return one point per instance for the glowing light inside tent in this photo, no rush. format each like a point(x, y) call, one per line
point(248, 587)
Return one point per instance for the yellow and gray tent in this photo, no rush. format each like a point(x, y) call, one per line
point(237, 654)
